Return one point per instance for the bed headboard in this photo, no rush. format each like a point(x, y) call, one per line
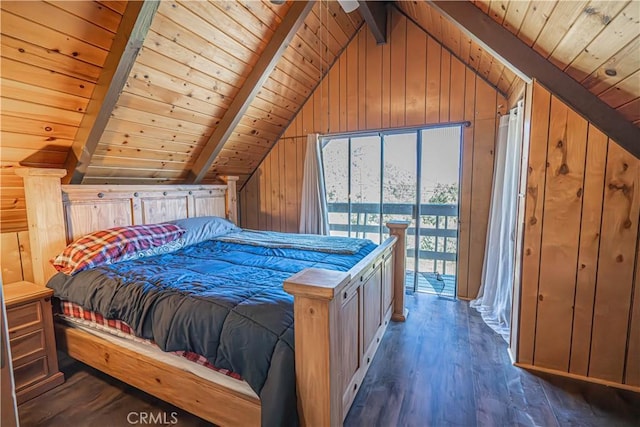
point(58, 214)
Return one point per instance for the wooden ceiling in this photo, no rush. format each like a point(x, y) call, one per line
point(325, 33)
point(195, 58)
point(586, 39)
point(52, 56)
point(194, 61)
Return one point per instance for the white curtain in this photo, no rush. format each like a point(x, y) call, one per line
point(313, 209)
point(495, 296)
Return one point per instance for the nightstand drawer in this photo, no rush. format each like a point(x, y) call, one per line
point(28, 344)
point(33, 345)
point(24, 318)
point(30, 372)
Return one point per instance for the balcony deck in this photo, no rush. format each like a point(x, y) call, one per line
point(437, 236)
point(431, 283)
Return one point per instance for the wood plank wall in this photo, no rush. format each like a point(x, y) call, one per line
point(517, 93)
point(580, 303)
point(52, 55)
point(15, 253)
point(411, 80)
point(461, 44)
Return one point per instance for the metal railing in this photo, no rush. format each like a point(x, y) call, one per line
point(437, 228)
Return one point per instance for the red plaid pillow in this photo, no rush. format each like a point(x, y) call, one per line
point(109, 246)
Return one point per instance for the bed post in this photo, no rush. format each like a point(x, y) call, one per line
point(317, 355)
point(45, 216)
point(232, 198)
point(399, 229)
point(339, 320)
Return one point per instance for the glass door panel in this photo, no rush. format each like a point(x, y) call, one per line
point(438, 224)
point(399, 189)
point(365, 188)
point(335, 159)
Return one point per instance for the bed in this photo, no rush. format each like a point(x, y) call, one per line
point(339, 316)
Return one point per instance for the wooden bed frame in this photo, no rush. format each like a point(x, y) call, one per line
point(339, 317)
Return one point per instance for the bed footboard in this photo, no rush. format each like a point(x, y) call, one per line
point(340, 318)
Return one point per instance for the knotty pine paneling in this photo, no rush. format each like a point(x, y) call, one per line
point(52, 54)
point(195, 58)
point(632, 371)
point(580, 258)
point(15, 252)
point(583, 38)
point(312, 51)
point(516, 93)
point(409, 81)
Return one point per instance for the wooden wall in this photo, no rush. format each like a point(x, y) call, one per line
point(461, 44)
point(580, 296)
point(15, 253)
point(411, 80)
point(52, 55)
point(517, 93)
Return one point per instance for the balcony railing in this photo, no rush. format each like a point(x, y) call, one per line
point(437, 229)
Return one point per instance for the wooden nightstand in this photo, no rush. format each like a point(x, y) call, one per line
point(31, 339)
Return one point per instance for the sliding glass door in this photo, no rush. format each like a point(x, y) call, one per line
point(410, 175)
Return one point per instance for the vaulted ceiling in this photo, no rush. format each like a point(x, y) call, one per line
point(595, 42)
point(198, 57)
point(195, 60)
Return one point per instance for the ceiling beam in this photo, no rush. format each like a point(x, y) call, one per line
point(135, 23)
point(529, 64)
point(375, 15)
point(252, 85)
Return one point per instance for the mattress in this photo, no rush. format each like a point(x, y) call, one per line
point(118, 332)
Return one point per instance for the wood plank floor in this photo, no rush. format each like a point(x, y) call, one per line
point(443, 367)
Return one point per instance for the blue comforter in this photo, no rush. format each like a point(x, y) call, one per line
point(311, 242)
point(222, 300)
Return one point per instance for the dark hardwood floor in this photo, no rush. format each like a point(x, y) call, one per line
point(443, 367)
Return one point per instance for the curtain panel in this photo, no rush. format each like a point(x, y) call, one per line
point(495, 297)
point(314, 218)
